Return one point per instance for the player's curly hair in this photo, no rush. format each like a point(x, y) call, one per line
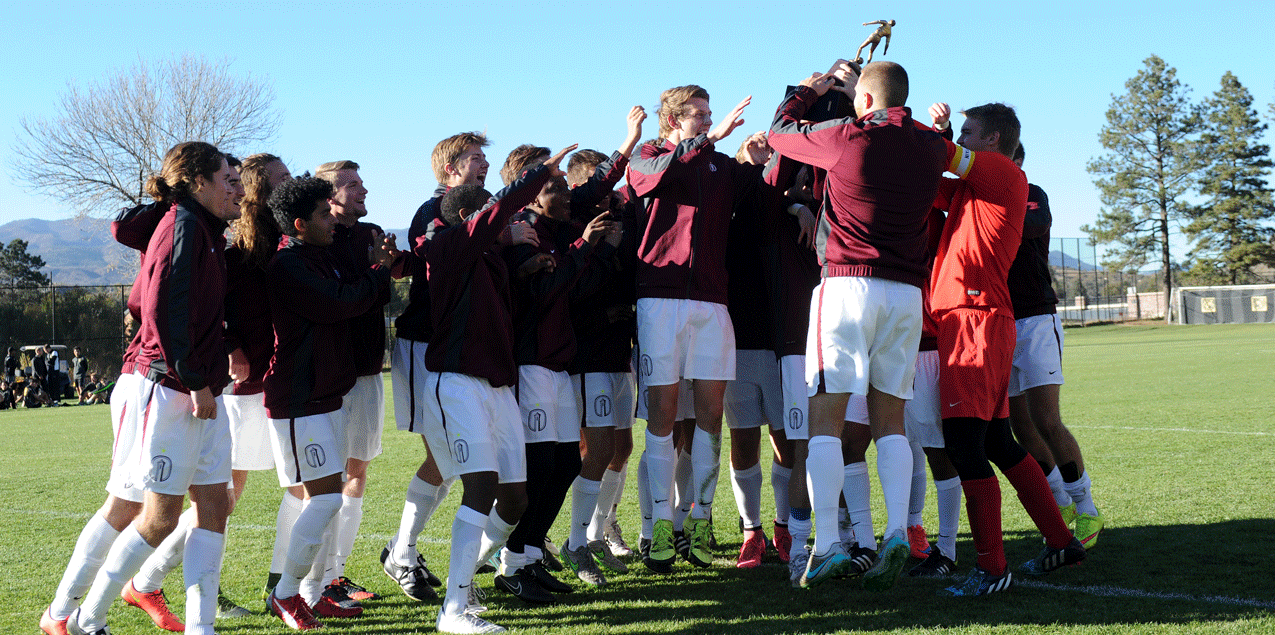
point(673, 102)
point(298, 198)
point(183, 163)
point(470, 197)
point(256, 231)
point(522, 158)
point(997, 117)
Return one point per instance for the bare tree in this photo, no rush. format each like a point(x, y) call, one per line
point(96, 152)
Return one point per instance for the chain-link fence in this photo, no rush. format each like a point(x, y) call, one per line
point(1089, 293)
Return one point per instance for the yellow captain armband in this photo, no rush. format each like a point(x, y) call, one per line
point(962, 161)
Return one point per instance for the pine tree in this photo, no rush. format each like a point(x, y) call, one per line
point(1149, 167)
point(1230, 231)
point(20, 268)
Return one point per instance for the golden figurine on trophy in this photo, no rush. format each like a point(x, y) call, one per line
point(873, 40)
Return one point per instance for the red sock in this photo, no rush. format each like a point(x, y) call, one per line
point(983, 506)
point(1033, 493)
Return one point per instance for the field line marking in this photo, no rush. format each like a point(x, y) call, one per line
point(1140, 429)
point(1108, 591)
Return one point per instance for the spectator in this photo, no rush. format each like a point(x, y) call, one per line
point(91, 391)
point(12, 362)
point(79, 369)
point(35, 395)
point(7, 398)
point(53, 374)
point(39, 363)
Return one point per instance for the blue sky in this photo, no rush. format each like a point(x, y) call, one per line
point(382, 83)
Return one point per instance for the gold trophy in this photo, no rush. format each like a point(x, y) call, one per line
point(882, 32)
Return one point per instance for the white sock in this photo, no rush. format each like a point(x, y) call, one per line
point(289, 509)
point(607, 488)
point(823, 480)
point(845, 528)
point(660, 456)
point(122, 563)
point(706, 463)
point(346, 530)
point(916, 501)
point(467, 533)
point(683, 476)
point(511, 562)
point(779, 479)
point(202, 575)
point(90, 552)
point(495, 534)
point(747, 486)
point(619, 492)
point(1082, 493)
point(645, 508)
point(858, 493)
point(949, 495)
point(800, 530)
point(422, 499)
point(584, 506)
point(166, 557)
point(1058, 488)
point(317, 578)
point(306, 539)
point(894, 470)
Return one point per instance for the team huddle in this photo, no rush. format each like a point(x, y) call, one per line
point(827, 284)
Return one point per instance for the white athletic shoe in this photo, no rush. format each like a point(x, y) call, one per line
point(465, 624)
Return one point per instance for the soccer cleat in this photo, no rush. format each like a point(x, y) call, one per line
point(356, 592)
point(782, 542)
point(550, 555)
point(294, 612)
point(682, 544)
point(155, 605)
point(605, 559)
point(328, 606)
point(474, 599)
point(551, 548)
point(979, 582)
point(337, 595)
point(1051, 559)
point(523, 585)
point(661, 553)
point(580, 561)
point(414, 581)
point(751, 552)
point(227, 609)
point(700, 553)
point(51, 626)
point(615, 539)
point(1068, 513)
point(547, 580)
point(73, 626)
point(465, 624)
point(936, 565)
point(797, 566)
point(821, 567)
point(861, 559)
point(492, 565)
point(1088, 527)
point(271, 580)
point(712, 535)
point(889, 566)
point(918, 542)
point(644, 547)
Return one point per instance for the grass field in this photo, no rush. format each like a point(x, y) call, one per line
point(1175, 423)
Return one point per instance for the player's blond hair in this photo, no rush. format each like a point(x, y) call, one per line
point(449, 150)
point(673, 103)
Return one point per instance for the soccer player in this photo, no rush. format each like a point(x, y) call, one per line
point(970, 300)
point(684, 330)
point(1036, 376)
point(181, 441)
point(473, 425)
point(457, 160)
point(312, 304)
point(866, 313)
point(364, 405)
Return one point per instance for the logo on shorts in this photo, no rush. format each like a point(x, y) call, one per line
point(314, 455)
point(537, 420)
point(602, 406)
point(161, 468)
point(645, 365)
point(460, 451)
point(796, 419)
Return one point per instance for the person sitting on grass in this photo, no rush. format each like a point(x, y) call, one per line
point(35, 395)
point(91, 391)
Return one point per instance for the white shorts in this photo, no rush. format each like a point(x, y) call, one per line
point(921, 417)
point(126, 402)
point(364, 408)
point(754, 397)
point(407, 377)
point(685, 402)
point(857, 409)
point(605, 400)
point(176, 449)
point(309, 448)
point(250, 445)
point(1037, 353)
point(547, 403)
point(792, 382)
point(863, 331)
point(471, 427)
point(684, 339)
